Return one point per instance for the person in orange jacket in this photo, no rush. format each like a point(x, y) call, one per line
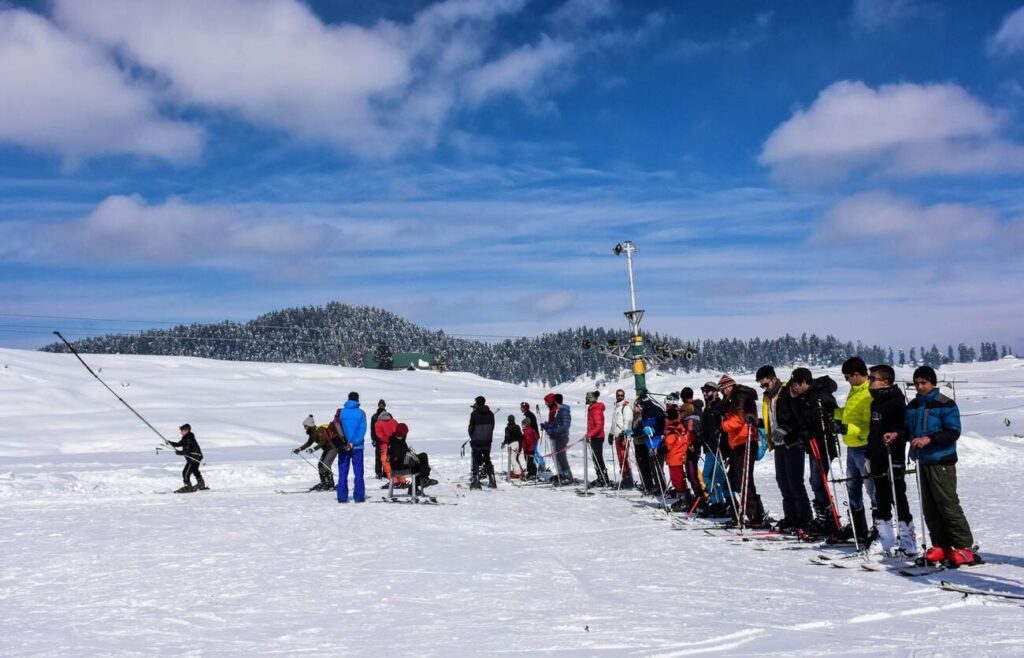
point(677, 442)
point(740, 426)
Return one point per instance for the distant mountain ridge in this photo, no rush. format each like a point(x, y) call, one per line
point(341, 334)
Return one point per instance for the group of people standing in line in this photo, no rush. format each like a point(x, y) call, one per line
point(800, 423)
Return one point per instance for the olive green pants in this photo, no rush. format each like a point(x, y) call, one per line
point(947, 524)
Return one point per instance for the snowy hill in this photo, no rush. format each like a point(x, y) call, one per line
point(94, 563)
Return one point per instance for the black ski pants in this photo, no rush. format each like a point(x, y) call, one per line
point(561, 444)
point(789, 475)
point(643, 464)
point(531, 466)
point(597, 451)
point(481, 458)
point(326, 465)
point(741, 477)
point(878, 456)
point(192, 468)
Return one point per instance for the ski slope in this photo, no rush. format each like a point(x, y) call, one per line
point(95, 561)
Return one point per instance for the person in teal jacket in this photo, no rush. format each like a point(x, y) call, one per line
point(933, 425)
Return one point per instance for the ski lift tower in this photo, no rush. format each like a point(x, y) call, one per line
point(634, 315)
point(634, 351)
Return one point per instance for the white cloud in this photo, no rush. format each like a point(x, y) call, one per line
point(875, 15)
point(64, 96)
point(518, 72)
point(554, 303)
point(369, 90)
point(897, 130)
point(123, 229)
point(1009, 40)
point(892, 224)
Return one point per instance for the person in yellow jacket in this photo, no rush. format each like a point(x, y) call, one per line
point(854, 421)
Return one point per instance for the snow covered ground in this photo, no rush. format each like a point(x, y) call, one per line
point(94, 562)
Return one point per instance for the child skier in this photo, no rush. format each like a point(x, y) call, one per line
point(513, 443)
point(189, 448)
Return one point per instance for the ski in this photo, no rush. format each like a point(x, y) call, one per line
point(298, 491)
point(423, 500)
point(963, 589)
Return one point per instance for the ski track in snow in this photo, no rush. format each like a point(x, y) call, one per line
point(94, 562)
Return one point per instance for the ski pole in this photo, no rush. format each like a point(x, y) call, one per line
point(130, 408)
point(307, 461)
point(892, 480)
point(920, 502)
point(728, 485)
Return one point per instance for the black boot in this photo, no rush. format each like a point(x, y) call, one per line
point(200, 484)
point(491, 481)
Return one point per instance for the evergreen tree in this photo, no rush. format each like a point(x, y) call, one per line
point(892, 359)
point(384, 356)
point(913, 357)
point(903, 359)
point(949, 354)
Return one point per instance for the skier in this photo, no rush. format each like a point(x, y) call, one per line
point(854, 421)
point(353, 423)
point(189, 448)
point(740, 424)
point(933, 422)
point(557, 427)
point(513, 442)
point(717, 503)
point(532, 417)
point(321, 437)
point(887, 449)
point(823, 448)
point(595, 436)
point(401, 456)
point(653, 433)
point(621, 431)
point(378, 466)
point(384, 428)
point(481, 435)
point(641, 452)
point(530, 440)
point(785, 423)
point(691, 426)
point(676, 444)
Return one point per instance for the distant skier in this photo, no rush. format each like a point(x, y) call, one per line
point(530, 440)
point(401, 456)
point(378, 466)
point(189, 448)
point(321, 436)
point(481, 436)
point(353, 423)
point(514, 444)
point(557, 427)
point(619, 433)
point(595, 436)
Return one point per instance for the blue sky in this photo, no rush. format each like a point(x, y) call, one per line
point(854, 168)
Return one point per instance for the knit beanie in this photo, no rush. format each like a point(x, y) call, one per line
point(726, 381)
point(402, 430)
point(927, 372)
point(309, 422)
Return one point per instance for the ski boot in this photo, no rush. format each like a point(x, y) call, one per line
point(962, 557)
point(201, 485)
point(185, 489)
point(491, 481)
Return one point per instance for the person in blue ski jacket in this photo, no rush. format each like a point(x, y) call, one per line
point(654, 432)
point(933, 426)
point(353, 422)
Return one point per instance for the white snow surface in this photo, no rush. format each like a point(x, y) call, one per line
point(93, 562)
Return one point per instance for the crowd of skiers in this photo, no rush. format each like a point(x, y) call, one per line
point(708, 447)
point(804, 427)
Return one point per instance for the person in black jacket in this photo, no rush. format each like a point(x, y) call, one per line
point(887, 441)
point(189, 448)
point(481, 435)
point(790, 436)
point(401, 456)
point(513, 442)
point(711, 441)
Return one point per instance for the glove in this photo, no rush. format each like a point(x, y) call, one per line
point(611, 439)
point(310, 451)
point(750, 419)
point(295, 452)
point(544, 426)
point(628, 434)
point(649, 432)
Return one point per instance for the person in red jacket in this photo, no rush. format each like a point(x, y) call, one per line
point(384, 428)
point(595, 436)
point(530, 439)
